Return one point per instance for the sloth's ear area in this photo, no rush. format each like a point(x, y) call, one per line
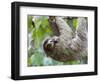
point(45, 43)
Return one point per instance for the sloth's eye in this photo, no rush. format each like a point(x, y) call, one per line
point(51, 41)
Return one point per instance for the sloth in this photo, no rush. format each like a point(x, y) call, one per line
point(69, 45)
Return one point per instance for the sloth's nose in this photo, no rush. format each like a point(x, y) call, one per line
point(55, 41)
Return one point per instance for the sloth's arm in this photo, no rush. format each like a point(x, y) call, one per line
point(82, 28)
point(63, 27)
point(80, 41)
point(54, 26)
point(59, 26)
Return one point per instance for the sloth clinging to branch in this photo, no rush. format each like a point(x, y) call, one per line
point(68, 45)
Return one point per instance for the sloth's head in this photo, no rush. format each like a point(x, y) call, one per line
point(49, 44)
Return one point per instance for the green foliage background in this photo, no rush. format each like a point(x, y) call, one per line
point(38, 30)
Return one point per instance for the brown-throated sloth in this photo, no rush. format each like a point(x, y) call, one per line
point(68, 46)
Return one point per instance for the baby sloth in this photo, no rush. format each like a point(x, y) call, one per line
point(67, 46)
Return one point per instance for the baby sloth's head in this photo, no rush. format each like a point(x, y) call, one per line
point(49, 44)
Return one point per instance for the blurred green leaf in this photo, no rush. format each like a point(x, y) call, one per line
point(47, 61)
point(74, 23)
point(37, 59)
point(30, 26)
point(29, 61)
point(30, 52)
point(54, 62)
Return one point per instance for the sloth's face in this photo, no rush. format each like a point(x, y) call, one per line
point(50, 43)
